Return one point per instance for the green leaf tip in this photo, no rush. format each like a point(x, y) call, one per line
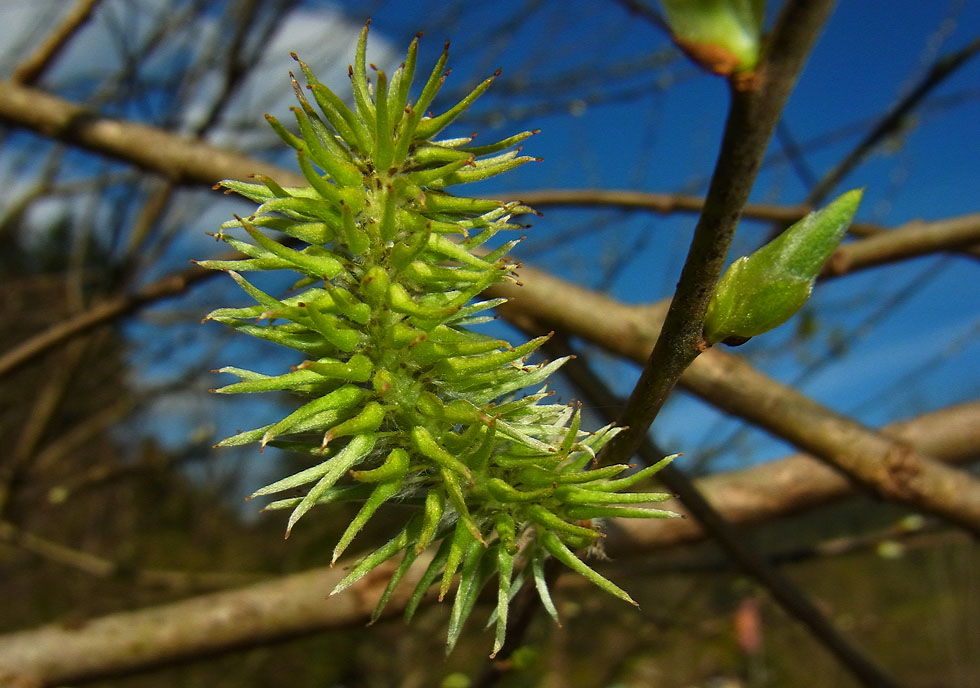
point(762, 291)
point(399, 401)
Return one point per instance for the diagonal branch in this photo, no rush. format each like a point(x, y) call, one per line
point(782, 589)
point(751, 121)
point(106, 311)
point(889, 468)
point(181, 160)
point(31, 69)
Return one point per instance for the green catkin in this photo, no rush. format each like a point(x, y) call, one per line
point(403, 403)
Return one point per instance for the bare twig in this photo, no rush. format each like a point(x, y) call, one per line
point(101, 313)
point(921, 237)
point(31, 69)
point(893, 119)
point(752, 118)
point(664, 203)
point(100, 567)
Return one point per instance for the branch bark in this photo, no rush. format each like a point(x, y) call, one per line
point(296, 605)
point(181, 160)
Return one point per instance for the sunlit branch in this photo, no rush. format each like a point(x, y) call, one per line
point(280, 610)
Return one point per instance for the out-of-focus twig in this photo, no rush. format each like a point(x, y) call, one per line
point(280, 609)
point(31, 69)
point(893, 120)
point(100, 567)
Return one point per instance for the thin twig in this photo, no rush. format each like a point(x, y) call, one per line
point(31, 69)
point(893, 120)
point(100, 567)
point(101, 313)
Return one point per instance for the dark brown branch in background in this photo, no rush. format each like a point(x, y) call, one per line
point(100, 567)
point(31, 69)
point(101, 313)
point(893, 120)
point(751, 121)
point(645, 12)
point(786, 594)
point(130, 642)
point(627, 199)
point(931, 236)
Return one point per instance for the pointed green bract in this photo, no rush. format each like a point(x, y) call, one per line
point(399, 400)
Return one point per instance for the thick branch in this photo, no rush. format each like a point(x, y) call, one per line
point(295, 605)
point(798, 483)
point(893, 470)
point(912, 239)
point(182, 160)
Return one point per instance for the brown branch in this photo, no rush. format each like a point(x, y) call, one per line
point(189, 161)
point(100, 567)
point(891, 469)
point(31, 69)
point(798, 483)
point(296, 605)
point(663, 203)
point(935, 236)
point(104, 312)
point(751, 121)
point(181, 160)
point(912, 239)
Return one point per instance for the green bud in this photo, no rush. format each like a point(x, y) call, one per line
point(721, 35)
point(764, 290)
